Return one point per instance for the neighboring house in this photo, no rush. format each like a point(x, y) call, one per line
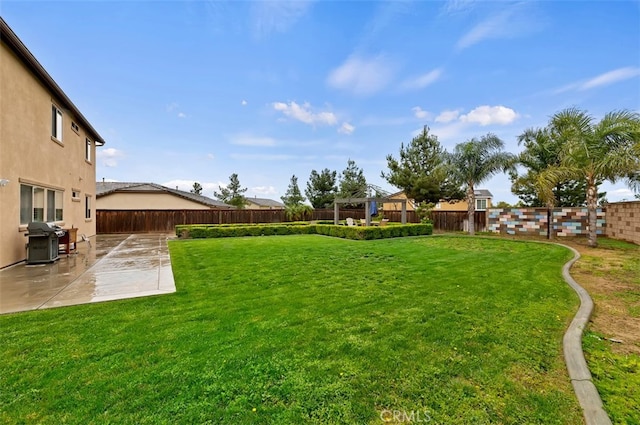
point(47, 152)
point(263, 204)
point(397, 206)
point(483, 202)
point(150, 196)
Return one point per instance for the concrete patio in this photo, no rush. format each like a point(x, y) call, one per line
point(110, 267)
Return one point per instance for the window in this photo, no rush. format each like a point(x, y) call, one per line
point(87, 150)
point(40, 204)
point(87, 207)
point(56, 123)
point(481, 204)
point(75, 194)
point(75, 127)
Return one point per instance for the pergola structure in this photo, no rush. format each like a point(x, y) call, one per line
point(367, 207)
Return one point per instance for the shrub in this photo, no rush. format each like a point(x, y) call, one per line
point(200, 231)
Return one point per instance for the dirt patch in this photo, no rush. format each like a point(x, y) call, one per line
point(612, 278)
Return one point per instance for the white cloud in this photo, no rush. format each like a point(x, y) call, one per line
point(305, 114)
point(454, 6)
point(447, 116)
point(611, 77)
point(420, 113)
point(514, 21)
point(373, 120)
point(423, 80)
point(186, 185)
point(362, 76)
point(605, 79)
point(261, 157)
point(486, 115)
point(621, 193)
point(277, 16)
point(174, 108)
point(243, 103)
point(109, 156)
point(263, 190)
point(346, 128)
point(249, 140)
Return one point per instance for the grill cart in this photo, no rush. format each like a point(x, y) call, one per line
point(43, 242)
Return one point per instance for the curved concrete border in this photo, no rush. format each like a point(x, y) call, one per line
point(579, 374)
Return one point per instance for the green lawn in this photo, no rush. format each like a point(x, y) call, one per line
point(309, 329)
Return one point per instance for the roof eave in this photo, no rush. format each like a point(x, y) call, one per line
point(10, 38)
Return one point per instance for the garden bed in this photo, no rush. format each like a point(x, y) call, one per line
point(200, 231)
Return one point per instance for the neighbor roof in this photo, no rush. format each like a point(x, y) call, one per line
point(264, 202)
point(482, 193)
point(8, 37)
point(106, 188)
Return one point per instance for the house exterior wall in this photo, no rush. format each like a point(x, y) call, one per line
point(461, 205)
point(146, 201)
point(623, 221)
point(29, 155)
point(397, 206)
point(253, 206)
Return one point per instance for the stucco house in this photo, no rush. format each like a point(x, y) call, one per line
point(47, 152)
point(483, 202)
point(150, 196)
point(397, 206)
point(263, 204)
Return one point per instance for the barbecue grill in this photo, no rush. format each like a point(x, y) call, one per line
point(43, 242)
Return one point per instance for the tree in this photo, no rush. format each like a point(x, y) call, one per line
point(474, 162)
point(197, 188)
point(294, 201)
point(321, 188)
point(542, 151)
point(295, 208)
point(421, 170)
point(232, 194)
point(293, 196)
point(503, 204)
point(352, 183)
point(596, 151)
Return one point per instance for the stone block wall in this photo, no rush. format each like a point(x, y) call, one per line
point(533, 221)
point(574, 221)
point(518, 221)
point(623, 221)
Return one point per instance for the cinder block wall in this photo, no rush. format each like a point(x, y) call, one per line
point(623, 221)
point(533, 221)
point(518, 221)
point(575, 221)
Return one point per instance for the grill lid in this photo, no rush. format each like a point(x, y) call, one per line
point(36, 228)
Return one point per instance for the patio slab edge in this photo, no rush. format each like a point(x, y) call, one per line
point(585, 390)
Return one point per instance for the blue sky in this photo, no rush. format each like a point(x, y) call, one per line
point(197, 90)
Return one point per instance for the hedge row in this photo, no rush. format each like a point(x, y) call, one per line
point(348, 232)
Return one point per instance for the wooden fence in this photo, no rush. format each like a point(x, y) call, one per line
point(149, 221)
point(453, 221)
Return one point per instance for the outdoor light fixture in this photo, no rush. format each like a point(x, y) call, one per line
point(4, 182)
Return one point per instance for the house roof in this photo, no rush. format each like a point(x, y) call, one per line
point(482, 193)
point(264, 202)
point(8, 37)
point(106, 188)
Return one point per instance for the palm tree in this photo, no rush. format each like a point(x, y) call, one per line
point(596, 151)
point(538, 155)
point(474, 162)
